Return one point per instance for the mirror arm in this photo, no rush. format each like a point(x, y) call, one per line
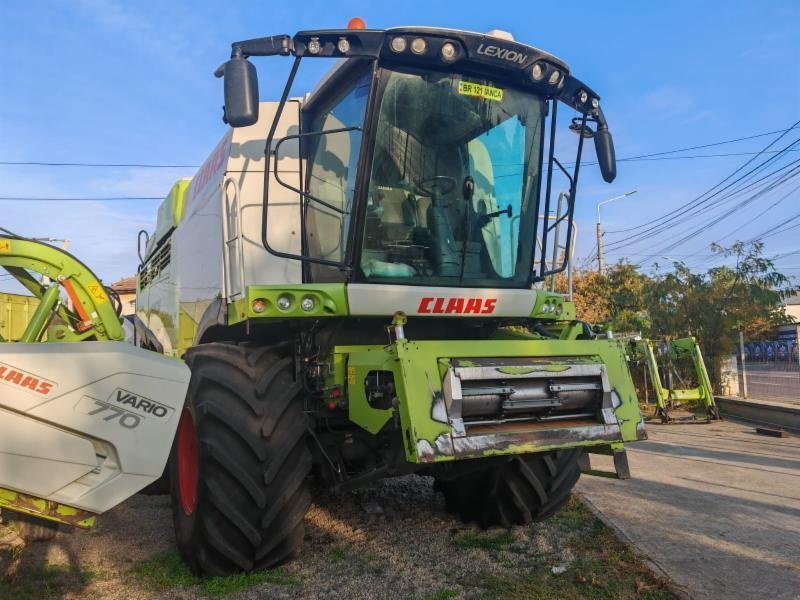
point(273, 45)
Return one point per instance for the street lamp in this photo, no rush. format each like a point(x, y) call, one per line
point(600, 228)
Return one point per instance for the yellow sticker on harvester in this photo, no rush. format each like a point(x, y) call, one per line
point(469, 88)
point(351, 375)
point(97, 292)
point(5, 245)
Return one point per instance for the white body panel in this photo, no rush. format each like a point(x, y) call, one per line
point(375, 299)
point(86, 424)
point(218, 244)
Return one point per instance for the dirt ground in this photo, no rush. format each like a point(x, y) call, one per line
point(393, 540)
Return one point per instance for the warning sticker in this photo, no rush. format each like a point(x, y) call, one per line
point(351, 375)
point(97, 292)
point(5, 245)
point(468, 88)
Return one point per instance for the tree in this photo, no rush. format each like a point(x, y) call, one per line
point(712, 306)
point(715, 305)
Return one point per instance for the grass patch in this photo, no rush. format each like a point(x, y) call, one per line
point(605, 570)
point(167, 570)
point(572, 517)
point(338, 555)
point(496, 541)
point(369, 564)
point(441, 594)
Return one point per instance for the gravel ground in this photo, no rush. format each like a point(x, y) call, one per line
point(392, 540)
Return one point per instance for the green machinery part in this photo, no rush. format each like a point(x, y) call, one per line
point(45, 271)
point(666, 394)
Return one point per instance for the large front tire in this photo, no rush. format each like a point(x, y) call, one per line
point(513, 490)
point(240, 462)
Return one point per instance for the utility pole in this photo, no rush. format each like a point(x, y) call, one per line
point(741, 362)
point(600, 264)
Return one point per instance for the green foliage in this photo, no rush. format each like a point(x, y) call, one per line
point(497, 541)
point(167, 571)
point(441, 594)
point(606, 568)
point(711, 306)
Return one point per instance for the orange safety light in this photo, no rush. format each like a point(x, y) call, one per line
point(356, 23)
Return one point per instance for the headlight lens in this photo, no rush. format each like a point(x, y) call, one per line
point(537, 71)
point(284, 302)
point(449, 52)
point(419, 46)
point(343, 45)
point(314, 46)
point(308, 304)
point(398, 44)
point(259, 305)
point(554, 76)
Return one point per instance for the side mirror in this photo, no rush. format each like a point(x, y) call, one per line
point(606, 159)
point(241, 92)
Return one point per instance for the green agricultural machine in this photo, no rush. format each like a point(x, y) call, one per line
point(680, 359)
point(355, 278)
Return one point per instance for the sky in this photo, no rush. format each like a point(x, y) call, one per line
point(107, 81)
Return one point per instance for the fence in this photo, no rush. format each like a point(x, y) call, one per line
point(764, 370)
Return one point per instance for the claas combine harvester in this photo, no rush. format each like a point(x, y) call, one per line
point(355, 279)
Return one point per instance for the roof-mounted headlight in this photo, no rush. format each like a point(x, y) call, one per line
point(537, 71)
point(314, 46)
point(449, 52)
point(419, 46)
point(398, 44)
point(555, 75)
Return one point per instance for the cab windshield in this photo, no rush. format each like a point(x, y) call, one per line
point(454, 182)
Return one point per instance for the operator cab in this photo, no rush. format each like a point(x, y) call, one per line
point(425, 154)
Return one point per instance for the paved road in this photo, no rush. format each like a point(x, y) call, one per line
point(717, 507)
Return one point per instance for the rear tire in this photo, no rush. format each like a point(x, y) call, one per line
point(240, 462)
point(515, 490)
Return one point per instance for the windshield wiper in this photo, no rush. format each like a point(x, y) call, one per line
point(467, 191)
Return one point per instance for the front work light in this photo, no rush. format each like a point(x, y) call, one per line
point(398, 44)
point(419, 46)
point(449, 52)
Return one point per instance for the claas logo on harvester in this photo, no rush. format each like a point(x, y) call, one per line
point(24, 380)
point(457, 306)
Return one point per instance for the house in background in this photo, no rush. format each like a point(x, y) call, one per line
point(792, 307)
point(126, 288)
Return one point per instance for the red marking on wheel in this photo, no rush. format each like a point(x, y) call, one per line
point(188, 467)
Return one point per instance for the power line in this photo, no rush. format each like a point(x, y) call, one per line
point(107, 199)
point(696, 207)
point(720, 217)
point(741, 139)
point(711, 145)
point(626, 159)
point(26, 163)
point(671, 215)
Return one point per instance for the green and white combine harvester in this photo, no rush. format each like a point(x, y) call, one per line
point(355, 278)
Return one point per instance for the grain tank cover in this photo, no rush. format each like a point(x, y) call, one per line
point(170, 212)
